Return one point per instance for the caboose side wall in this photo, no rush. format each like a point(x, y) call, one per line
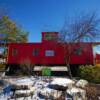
point(25, 51)
point(86, 56)
point(97, 59)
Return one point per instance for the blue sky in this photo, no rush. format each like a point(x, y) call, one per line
point(36, 16)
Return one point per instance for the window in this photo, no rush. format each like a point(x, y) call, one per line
point(49, 53)
point(49, 36)
point(78, 51)
point(35, 52)
point(14, 53)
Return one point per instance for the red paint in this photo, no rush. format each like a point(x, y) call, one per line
point(97, 59)
point(25, 51)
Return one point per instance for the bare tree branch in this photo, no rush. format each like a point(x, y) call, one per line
point(85, 28)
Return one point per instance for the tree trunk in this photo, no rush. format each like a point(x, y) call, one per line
point(69, 71)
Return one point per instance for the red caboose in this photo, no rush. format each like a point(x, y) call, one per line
point(49, 52)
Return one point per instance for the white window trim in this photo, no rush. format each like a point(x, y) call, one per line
point(49, 53)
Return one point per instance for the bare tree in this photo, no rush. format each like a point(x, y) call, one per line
point(85, 28)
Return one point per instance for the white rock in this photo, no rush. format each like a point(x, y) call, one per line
point(82, 83)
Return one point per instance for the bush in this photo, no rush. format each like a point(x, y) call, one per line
point(90, 73)
point(46, 71)
point(2, 67)
point(91, 92)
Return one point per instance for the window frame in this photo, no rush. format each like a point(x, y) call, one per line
point(15, 51)
point(49, 36)
point(35, 52)
point(49, 53)
point(78, 51)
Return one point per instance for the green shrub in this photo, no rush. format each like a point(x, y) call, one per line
point(90, 73)
point(2, 67)
point(46, 72)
